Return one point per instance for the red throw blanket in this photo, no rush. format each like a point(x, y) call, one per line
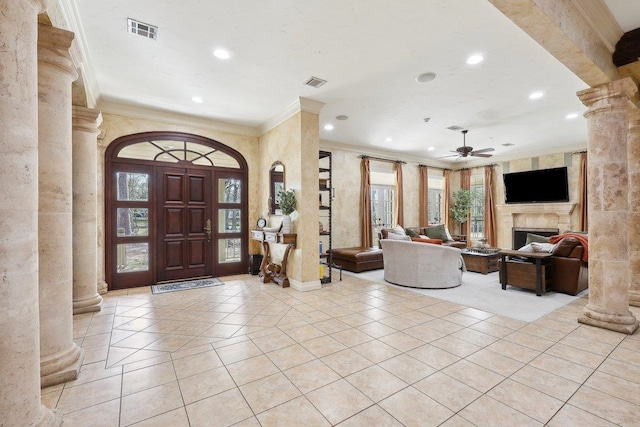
point(582, 238)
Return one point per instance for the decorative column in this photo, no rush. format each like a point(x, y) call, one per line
point(633, 162)
point(608, 205)
point(60, 357)
point(102, 281)
point(85, 233)
point(19, 322)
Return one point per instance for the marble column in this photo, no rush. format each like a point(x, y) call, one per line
point(85, 233)
point(19, 323)
point(60, 357)
point(608, 205)
point(633, 162)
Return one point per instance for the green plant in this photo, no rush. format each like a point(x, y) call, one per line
point(287, 201)
point(461, 205)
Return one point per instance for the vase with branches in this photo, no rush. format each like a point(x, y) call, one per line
point(287, 205)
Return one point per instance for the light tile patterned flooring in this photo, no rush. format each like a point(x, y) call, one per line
point(356, 353)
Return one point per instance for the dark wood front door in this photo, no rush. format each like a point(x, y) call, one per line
point(184, 223)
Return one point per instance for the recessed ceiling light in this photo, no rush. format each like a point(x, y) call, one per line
point(474, 59)
point(328, 127)
point(536, 95)
point(572, 116)
point(197, 99)
point(388, 139)
point(431, 148)
point(342, 117)
point(425, 77)
point(221, 54)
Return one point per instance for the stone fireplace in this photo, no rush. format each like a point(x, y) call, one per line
point(534, 215)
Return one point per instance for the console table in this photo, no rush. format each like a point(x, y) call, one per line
point(270, 271)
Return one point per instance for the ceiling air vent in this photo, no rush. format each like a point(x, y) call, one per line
point(455, 128)
point(142, 29)
point(315, 82)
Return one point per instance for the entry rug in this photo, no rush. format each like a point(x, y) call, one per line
point(181, 286)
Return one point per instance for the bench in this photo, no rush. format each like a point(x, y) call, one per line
point(357, 259)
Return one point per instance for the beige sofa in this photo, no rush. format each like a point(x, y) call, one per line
point(420, 265)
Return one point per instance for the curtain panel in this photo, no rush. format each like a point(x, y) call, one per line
point(490, 230)
point(424, 197)
point(398, 209)
point(365, 203)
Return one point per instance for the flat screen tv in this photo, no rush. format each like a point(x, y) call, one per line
point(537, 186)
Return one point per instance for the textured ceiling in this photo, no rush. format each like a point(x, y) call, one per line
point(368, 51)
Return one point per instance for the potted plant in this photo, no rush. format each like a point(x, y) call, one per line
point(461, 205)
point(287, 205)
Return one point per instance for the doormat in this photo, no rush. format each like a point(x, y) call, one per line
point(181, 286)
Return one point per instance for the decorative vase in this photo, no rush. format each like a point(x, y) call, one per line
point(286, 224)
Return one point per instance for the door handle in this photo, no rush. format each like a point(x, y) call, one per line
point(208, 230)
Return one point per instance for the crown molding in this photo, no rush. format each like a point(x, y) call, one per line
point(64, 14)
point(123, 109)
point(300, 104)
point(601, 21)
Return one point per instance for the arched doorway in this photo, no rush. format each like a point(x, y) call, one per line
point(176, 208)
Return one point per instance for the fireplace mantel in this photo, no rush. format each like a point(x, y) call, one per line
point(537, 215)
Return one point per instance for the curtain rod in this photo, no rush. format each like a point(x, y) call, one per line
point(380, 159)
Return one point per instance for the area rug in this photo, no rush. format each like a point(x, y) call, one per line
point(181, 286)
point(484, 292)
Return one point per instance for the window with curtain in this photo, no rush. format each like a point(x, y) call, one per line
point(477, 206)
point(435, 202)
point(382, 196)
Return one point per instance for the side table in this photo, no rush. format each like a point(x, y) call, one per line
point(541, 258)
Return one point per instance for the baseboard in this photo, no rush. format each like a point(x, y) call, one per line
point(304, 287)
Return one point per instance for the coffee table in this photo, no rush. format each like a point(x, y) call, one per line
point(479, 262)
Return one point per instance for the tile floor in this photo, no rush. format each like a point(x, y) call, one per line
point(356, 353)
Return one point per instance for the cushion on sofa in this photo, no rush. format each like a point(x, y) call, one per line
point(565, 246)
point(421, 240)
point(436, 232)
point(542, 247)
point(411, 233)
point(394, 236)
point(531, 238)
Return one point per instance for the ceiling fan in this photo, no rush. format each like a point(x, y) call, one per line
point(465, 150)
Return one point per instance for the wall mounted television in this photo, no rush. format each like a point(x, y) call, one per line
point(537, 186)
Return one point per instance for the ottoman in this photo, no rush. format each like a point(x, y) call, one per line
point(357, 259)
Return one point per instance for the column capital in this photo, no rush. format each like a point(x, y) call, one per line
point(54, 46)
point(617, 94)
point(86, 119)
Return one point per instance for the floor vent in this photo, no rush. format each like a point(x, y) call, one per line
point(142, 29)
point(315, 82)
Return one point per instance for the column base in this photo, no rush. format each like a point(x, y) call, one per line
point(61, 367)
point(49, 418)
point(103, 287)
point(634, 298)
point(624, 323)
point(87, 305)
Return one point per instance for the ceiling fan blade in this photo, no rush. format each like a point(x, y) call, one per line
point(444, 157)
point(484, 150)
point(476, 154)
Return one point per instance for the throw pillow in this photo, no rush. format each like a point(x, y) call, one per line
point(437, 232)
point(396, 236)
point(432, 241)
point(531, 238)
point(411, 233)
point(542, 247)
point(446, 230)
point(398, 229)
point(526, 248)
